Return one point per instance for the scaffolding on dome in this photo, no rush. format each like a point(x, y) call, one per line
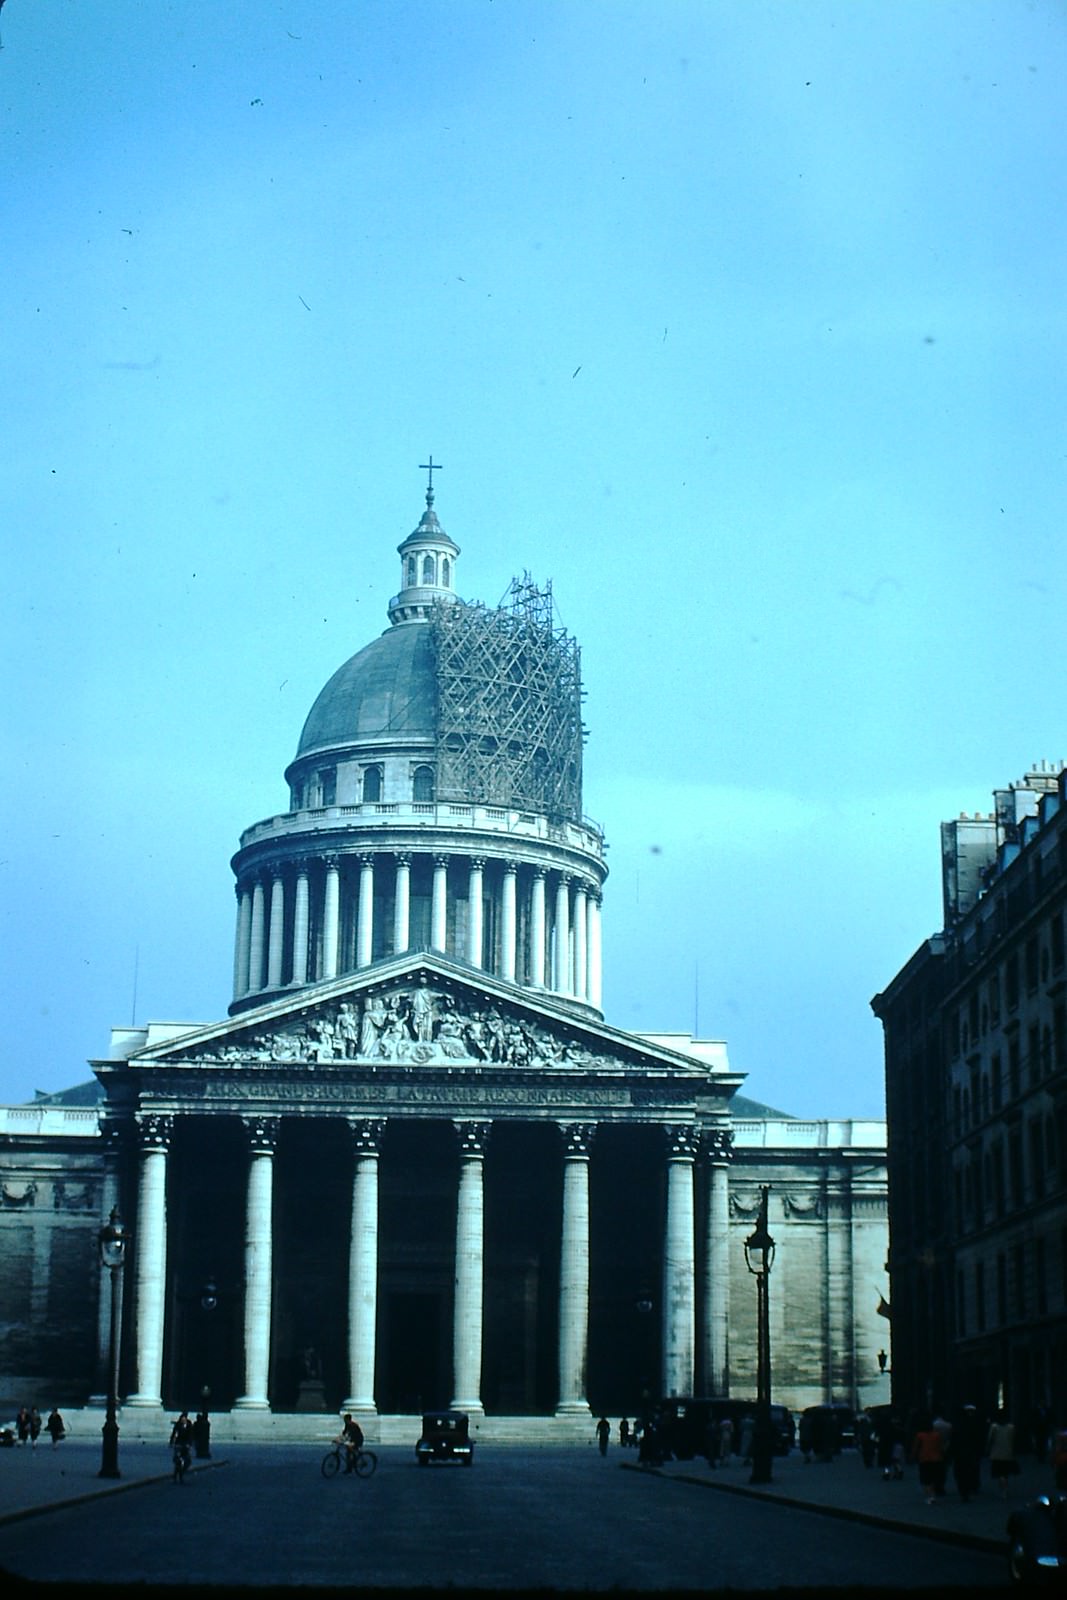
point(509, 722)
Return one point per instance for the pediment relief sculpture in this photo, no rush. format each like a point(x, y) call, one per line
point(418, 1025)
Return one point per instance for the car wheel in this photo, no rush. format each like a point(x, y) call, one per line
point(424, 1461)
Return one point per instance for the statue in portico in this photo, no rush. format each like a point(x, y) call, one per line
point(422, 1014)
point(374, 1019)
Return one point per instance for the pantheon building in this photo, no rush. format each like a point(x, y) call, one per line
point(415, 1165)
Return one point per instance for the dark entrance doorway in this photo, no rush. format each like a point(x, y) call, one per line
point(413, 1377)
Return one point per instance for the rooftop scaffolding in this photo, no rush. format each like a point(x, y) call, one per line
point(509, 724)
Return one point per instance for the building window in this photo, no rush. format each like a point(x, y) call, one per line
point(298, 797)
point(1011, 981)
point(446, 572)
point(1033, 1055)
point(1015, 1076)
point(999, 1195)
point(1037, 1157)
point(1040, 1278)
point(1019, 1274)
point(979, 1295)
point(994, 998)
point(372, 785)
point(1031, 962)
point(998, 1082)
point(422, 786)
point(1015, 1168)
point(427, 570)
point(411, 571)
point(328, 786)
point(1057, 941)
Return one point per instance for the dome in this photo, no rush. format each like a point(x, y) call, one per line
point(388, 687)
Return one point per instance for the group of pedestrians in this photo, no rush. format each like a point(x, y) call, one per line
point(28, 1426)
point(935, 1444)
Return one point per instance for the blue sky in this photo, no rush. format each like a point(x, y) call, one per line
point(743, 323)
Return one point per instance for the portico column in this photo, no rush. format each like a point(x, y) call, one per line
point(363, 1266)
point(242, 943)
point(561, 977)
point(474, 912)
point(718, 1145)
point(537, 929)
point(301, 923)
point(259, 1214)
point(109, 1198)
point(150, 1258)
point(276, 948)
point(331, 917)
point(507, 921)
point(470, 1269)
point(580, 975)
point(679, 1330)
point(574, 1270)
point(594, 992)
point(365, 914)
point(439, 904)
point(255, 939)
point(402, 905)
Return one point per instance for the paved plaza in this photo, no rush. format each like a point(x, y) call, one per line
point(524, 1518)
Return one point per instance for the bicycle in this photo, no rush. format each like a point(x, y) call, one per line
point(364, 1462)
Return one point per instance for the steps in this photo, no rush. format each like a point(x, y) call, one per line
point(150, 1424)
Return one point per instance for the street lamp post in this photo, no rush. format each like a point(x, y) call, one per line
point(759, 1258)
point(112, 1241)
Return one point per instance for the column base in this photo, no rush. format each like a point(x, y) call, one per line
point(573, 1408)
point(142, 1402)
point(359, 1408)
point(473, 1408)
point(248, 1402)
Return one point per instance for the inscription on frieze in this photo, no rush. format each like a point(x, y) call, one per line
point(317, 1093)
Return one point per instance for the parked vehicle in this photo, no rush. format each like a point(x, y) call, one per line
point(445, 1437)
point(1037, 1541)
point(684, 1424)
point(829, 1429)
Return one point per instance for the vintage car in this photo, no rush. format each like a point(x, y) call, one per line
point(1037, 1541)
point(684, 1424)
point(445, 1437)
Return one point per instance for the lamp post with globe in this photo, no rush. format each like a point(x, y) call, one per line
point(112, 1242)
point(759, 1258)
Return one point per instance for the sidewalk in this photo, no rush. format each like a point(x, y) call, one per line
point(846, 1488)
point(36, 1480)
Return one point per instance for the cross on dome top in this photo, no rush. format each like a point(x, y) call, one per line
point(431, 467)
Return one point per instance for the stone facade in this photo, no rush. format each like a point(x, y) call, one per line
point(976, 1087)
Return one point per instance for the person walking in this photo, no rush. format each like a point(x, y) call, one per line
point(928, 1451)
point(967, 1439)
point(35, 1426)
point(1000, 1447)
point(22, 1424)
point(624, 1432)
point(603, 1435)
point(55, 1426)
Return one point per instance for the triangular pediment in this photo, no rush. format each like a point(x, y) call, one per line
point(424, 1012)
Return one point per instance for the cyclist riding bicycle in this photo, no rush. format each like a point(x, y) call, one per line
point(181, 1440)
point(352, 1439)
